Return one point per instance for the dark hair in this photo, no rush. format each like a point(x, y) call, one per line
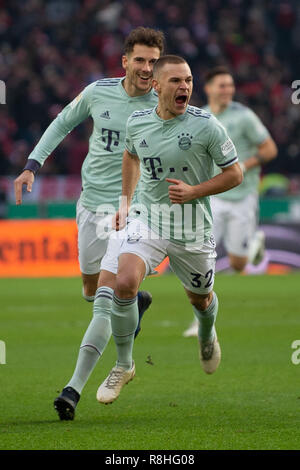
point(146, 36)
point(167, 59)
point(220, 70)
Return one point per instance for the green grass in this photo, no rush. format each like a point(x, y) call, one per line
point(251, 402)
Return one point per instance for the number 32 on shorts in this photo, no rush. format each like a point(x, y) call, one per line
point(197, 281)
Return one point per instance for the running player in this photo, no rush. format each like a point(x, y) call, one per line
point(235, 211)
point(174, 145)
point(109, 102)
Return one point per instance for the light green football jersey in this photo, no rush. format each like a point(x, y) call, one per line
point(107, 102)
point(185, 148)
point(247, 132)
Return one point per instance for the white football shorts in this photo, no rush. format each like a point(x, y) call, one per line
point(194, 266)
point(234, 223)
point(91, 248)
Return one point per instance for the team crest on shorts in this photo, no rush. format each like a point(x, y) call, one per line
point(185, 141)
point(134, 237)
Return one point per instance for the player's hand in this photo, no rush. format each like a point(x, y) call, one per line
point(180, 192)
point(27, 177)
point(119, 220)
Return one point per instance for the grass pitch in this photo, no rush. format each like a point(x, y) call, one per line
point(251, 402)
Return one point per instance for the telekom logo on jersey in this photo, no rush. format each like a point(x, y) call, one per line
point(178, 221)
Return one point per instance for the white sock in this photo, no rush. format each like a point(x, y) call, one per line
point(207, 320)
point(95, 339)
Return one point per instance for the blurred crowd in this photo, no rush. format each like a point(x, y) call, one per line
point(50, 50)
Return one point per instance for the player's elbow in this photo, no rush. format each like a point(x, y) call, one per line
point(234, 176)
point(270, 151)
point(273, 151)
point(237, 177)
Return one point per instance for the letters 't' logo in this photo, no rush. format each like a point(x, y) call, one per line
point(110, 137)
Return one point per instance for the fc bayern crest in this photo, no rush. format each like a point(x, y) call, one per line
point(185, 141)
point(134, 237)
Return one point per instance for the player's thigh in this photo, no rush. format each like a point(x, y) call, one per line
point(218, 208)
point(91, 248)
point(241, 226)
point(195, 269)
point(142, 242)
point(110, 260)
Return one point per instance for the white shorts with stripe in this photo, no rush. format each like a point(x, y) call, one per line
point(194, 266)
point(91, 248)
point(234, 223)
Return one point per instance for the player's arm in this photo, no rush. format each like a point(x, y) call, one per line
point(180, 192)
point(223, 152)
point(257, 134)
point(72, 115)
point(266, 152)
point(130, 177)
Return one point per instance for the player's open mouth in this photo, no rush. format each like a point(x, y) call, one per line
point(181, 99)
point(144, 79)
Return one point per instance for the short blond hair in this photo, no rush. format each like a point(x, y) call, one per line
point(145, 36)
point(167, 59)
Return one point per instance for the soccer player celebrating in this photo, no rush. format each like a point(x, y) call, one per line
point(109, 102)
point(235, 211)
point(174, 145)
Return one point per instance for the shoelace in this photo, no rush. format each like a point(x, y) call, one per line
point(113, 378)
point(207, 351)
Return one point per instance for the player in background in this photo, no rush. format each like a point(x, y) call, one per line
point(174, 146)
point(109, 102)
point(235, 211)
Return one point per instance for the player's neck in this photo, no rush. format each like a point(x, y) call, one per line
point(131, 89)
point(217, 108)
point(164, 114)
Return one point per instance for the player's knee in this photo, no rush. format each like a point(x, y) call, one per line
point(238, 264)
point(200, 302)
point(126, 286)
